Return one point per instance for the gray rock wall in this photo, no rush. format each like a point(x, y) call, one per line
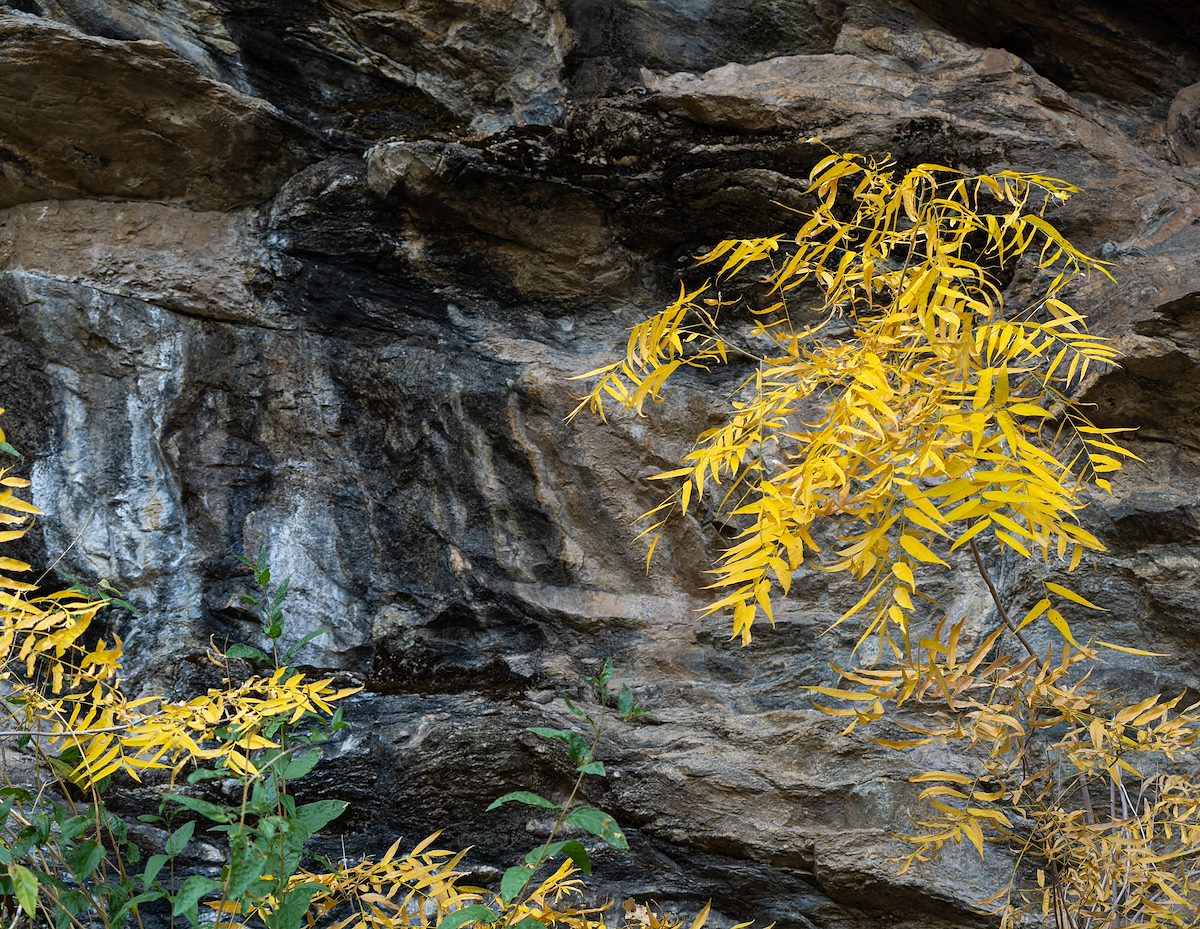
point(310, 275)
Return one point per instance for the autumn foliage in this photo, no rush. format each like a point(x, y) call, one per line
point(898, 390)
point(66, 860)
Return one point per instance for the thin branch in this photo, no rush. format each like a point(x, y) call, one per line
point(1000, 610)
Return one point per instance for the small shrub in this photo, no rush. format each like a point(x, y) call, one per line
point(893, 393)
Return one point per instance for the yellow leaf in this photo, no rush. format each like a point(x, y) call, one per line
point(1039, 608)
point(916, 516)
point(941, 790)
point(1073, 597)
point(974, 835)
point(941, 776)
point(1060, 624)
point(8, 501)
point(984, 389)
point(1131, 651)
point(904, 744)
point(856, 696)
point(918, 550)
point(669, 475)
point(995, 816)
point(1011, 542)
point(1028, 409)
point(971, 533)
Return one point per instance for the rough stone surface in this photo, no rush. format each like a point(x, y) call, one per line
point(1183, 124)
point(84, 116)
point(311, 275)
point(364, 70)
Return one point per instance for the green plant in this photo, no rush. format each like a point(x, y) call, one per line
point(895, 395)
point(266, 831)
point(62, 846)
point(581, 749)
point(67, 859)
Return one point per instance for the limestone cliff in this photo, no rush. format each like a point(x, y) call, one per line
point(310, 275)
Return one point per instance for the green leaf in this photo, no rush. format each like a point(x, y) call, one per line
point(606, 673)
point(528, 923)
point(514, 881)
point(281, 595)
point(249, 652)
point(85, 859)
point(9, 450)
point(467, 915)
point(600, 824)
point(154, 865)
point(313, 817)
point(73, 827)
point(186, 902)
point(595, 768)
point(523, 796)
point(625, 702)
point(291, 652)
point(71, 903)
point(576, 711)
point(25, 888)
point(290, 913)
point(210, 811)
point(561, 735)
point(572, 848)
point(300, 765)
point(180, 838)
point(579, 750)
point(577, 746)
point(248, 860)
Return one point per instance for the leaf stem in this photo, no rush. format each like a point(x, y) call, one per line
point(565, 809)
point(1000, 609)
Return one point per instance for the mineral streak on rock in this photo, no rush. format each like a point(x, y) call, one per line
point(310, 275)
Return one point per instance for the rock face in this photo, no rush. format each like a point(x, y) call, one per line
point(90, 117)
point(311, 276)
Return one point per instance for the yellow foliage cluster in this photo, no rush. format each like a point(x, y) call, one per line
point(420, 889)
point(70, 690)
point(923, 429)
point(895, 394)
point(71, 693)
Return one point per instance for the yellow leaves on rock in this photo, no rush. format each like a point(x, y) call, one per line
point(70, 690)
point(223, 725)
point(927, 421)
point(416, 889)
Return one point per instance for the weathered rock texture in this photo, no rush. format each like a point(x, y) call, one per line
point(310, 275)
